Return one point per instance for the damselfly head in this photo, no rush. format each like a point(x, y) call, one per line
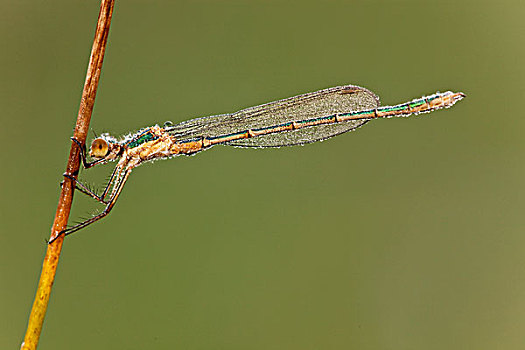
point(99, 148)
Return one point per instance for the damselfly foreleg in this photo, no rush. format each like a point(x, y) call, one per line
point(83, 158)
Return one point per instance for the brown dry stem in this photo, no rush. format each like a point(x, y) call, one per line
point(47, 277)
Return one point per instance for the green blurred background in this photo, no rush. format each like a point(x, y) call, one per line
point(406, 234)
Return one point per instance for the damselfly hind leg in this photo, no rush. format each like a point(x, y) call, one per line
point(115, 194)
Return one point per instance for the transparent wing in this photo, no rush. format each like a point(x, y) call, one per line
point(341, 99)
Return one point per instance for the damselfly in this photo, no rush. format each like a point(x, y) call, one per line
point(296, 120)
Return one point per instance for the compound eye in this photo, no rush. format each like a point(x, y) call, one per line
point(99, 148)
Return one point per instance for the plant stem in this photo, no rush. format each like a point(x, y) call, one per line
point(47, 277)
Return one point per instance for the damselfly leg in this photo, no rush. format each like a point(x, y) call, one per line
point(102, 214)
point(89, 192)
